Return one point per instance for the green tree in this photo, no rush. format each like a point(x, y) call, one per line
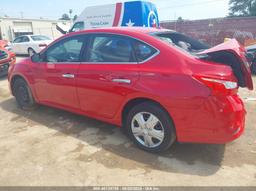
point(65, 16)
point(180, 19)
point(70, 13)
point(242, 7)
point(75, 17)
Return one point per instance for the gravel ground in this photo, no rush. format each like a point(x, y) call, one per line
point(50, 147)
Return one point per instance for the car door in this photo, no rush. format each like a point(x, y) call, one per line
point(24, 45)
point(107, 75)
point(55, 82)
point(16, 45)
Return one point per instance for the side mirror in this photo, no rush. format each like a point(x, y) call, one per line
point(36, 58)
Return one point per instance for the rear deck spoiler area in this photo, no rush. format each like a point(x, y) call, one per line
point(231, 53)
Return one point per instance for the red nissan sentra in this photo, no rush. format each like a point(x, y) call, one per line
point(159, 85)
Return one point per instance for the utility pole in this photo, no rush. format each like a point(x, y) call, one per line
point(21, 14)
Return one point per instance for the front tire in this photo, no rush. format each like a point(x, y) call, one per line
point(150, 127)
point(23, 95)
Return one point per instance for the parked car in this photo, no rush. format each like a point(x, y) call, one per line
point(4, 44)
point(6, 58)
point(30, 44)
point(159, 85)
point(252, 51)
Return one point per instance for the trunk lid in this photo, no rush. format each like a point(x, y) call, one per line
point(233, 54)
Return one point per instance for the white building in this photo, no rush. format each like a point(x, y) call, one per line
point(10, 28)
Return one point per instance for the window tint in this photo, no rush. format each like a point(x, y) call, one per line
point(143, 51)
point(67, 50)
point(110, 48)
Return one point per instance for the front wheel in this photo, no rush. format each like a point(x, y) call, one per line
point(150, 127)
point(23, 94)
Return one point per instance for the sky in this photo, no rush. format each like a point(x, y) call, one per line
point(167, 9)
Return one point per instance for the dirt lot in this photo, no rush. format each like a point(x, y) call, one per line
point(50, 147)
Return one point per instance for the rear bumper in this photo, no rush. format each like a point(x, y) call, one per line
point(217, 121)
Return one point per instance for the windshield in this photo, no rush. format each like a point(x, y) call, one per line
point(77, 27)
point(182, 41)
point(40, 38)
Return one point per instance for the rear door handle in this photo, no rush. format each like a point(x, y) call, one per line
point(70, 76)
point(122, 81)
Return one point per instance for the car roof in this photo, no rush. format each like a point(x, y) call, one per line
point(31, 35)
point(141, 30)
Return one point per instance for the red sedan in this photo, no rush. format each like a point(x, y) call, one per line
point(159, 85)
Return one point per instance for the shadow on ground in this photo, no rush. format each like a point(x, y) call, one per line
point(202, 160)
point(3, 78)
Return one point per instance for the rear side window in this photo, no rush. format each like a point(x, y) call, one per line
point(25, 39)
point(143, 51)
point(111, 48)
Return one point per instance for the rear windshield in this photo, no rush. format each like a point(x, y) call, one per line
point(182, 41)
point(40, 38)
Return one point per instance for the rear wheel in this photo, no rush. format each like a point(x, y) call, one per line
point(23, 94)
point(150, 127)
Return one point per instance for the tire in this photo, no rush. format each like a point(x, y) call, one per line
point(31, 52)
point(161, 127)
point(23, 95)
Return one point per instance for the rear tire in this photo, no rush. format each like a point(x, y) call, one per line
point(150, 127)
point(23, 95)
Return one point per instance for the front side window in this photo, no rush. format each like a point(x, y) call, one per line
point(111, 48)
point(18, 40)
point(67, 50)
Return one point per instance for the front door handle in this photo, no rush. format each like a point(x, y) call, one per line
point(122, 81)
point(70, 76)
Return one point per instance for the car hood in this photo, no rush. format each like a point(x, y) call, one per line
point(240, 64)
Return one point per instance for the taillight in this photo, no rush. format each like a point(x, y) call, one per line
point(42, 45)
point(219, 87)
